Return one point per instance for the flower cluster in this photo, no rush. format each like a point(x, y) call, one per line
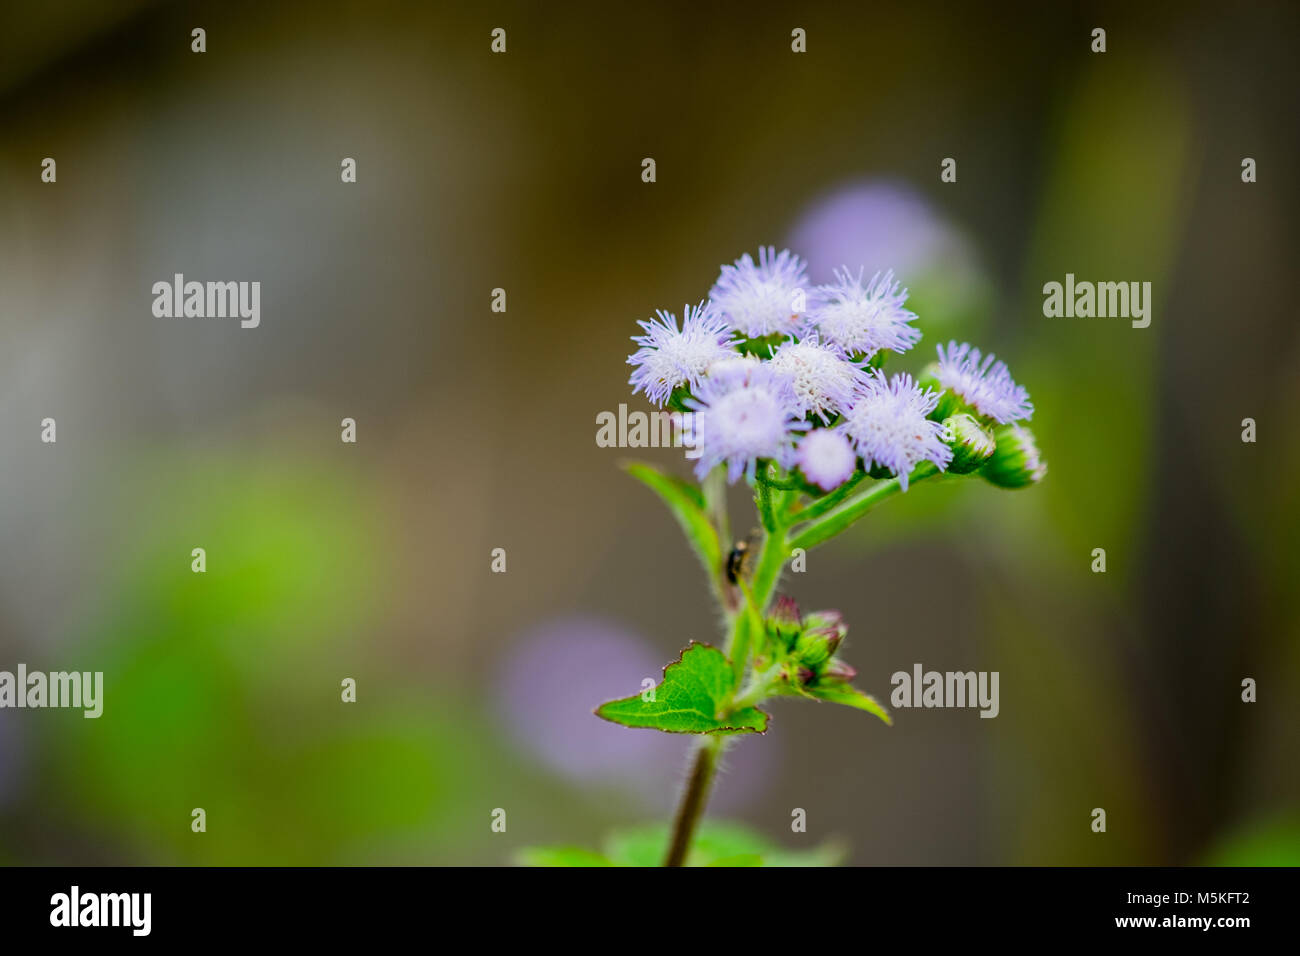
point(802, 649)
point(777, 372)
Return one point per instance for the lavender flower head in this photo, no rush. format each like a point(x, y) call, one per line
point(985, 386)
point(759, 300)
point(733, 368)
point(745, 414)
point(668, 357)
point(826, 458)
point(824, 380)
point(888, 426)
point(863, 318)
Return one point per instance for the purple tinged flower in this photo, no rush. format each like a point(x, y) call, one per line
point(863, 318)
point(826, 458)
point(733, 368)
point(879, 223)
point(824, 380)
point(984, 385)
point(759, 300)
point(743, 415)
point(888, 426)
point(668, 357)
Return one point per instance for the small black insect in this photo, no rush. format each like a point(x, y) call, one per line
point(738, 560)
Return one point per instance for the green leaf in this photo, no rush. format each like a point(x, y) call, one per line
point(1261, 842)
point(686, 503)
point(717, 843)
point(561, 856)
point(690, 699)
point(839, 692)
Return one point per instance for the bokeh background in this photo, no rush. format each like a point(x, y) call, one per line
point(476, 429)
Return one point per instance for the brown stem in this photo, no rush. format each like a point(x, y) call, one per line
point(694, 798)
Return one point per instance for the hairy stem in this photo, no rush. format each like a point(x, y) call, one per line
point(739, 644)
point(696, 796)
point(737, 649)
point(770, 562)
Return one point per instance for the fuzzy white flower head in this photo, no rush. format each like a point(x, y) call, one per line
point(826, 458)
point(734, 367)
point(888, 426)
point(744, 414)
point(863, 318)
point(824, 380)
point(668, 357)
point(985, 386)
point(763, 299)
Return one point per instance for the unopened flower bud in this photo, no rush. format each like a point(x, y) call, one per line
point(829, 620)
point(1015, 462)
point(822, 635)
point(813, 648)
point(783, 621)
point(838, 670)
point(970, 441)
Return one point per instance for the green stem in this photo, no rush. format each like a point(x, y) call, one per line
point(827, 502)
point(766, 512)
point(824, 518)
point(696, 796)
point(738, 641)
point(832, 523)
point(770, 562)
point(714, 487)
point(758, 689)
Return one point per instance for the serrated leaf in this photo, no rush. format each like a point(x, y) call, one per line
point(686, 503)
point(689, 699)
point(561, 856)
point(839, 692)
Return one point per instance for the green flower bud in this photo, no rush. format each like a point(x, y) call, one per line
point(823, 633)
point(840, 671)
point(1015, 462)
point(949, 404)
point(812, 649)
point(783, 622)
point(970, 441)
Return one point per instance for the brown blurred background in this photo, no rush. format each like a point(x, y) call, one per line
point(476, 429)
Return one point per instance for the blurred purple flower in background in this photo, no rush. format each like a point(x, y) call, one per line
point(887, 224)
point(879, 225)
point(552, 679)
